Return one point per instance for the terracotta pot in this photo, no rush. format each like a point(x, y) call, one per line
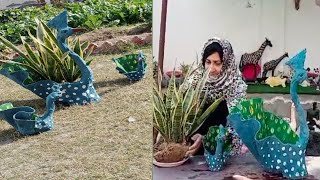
point(177, 73)
point(174, 164)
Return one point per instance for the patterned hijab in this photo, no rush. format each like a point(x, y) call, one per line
point(227, 82)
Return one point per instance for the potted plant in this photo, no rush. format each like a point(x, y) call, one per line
point(53, 61)
point(184, 68)
point(177, 114)
point(133, 65)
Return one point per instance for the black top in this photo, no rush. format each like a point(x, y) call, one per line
point(217, 117)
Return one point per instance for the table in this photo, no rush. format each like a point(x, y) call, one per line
point(196, 169)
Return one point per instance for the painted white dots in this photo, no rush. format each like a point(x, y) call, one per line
point(294, 153)
point(278, 161)
point(84, 86)
point(283, 148)
point(300, 152)
point(298, 163)
point(75, 88)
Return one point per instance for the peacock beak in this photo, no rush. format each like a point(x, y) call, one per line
point(74, 30)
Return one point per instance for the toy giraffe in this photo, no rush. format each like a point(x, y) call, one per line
point(254, 57)
point(271, 65)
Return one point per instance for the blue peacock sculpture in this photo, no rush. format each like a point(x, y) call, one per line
point(133, 66)
point(24, 119)
point(76, 93)
point(270, 138)
point(217, 147)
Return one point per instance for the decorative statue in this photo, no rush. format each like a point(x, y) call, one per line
point(276, 81)
point(271, 65)
point(217, 147)
point(271, 140)
point(24, 119)
point(132, 65)
point(76, 93)
point(254, 57)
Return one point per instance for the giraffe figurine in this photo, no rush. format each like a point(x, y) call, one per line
point(254, 57)
point(271, 65)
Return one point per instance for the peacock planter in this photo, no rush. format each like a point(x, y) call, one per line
point(270, 138)
point(217, 147)
point(132, 65)
point(24, 119)
point(76, 93)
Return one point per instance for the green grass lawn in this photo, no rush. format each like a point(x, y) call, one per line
point(88, 142)
point(263, 88)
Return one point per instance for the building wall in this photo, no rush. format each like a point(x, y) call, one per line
point(191, 22)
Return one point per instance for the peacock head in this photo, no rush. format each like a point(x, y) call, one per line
point(66, 32)
point(60, 23)
point(221, 136)
point(296, 63)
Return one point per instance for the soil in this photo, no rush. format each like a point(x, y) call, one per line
point(170, 152)
point(108, 40)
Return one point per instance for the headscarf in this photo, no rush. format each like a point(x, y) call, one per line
point(228, 83)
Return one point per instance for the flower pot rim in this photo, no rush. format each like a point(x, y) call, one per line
point(173, 164)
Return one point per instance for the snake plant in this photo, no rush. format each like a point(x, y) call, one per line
point(44, 60)
point(178, 112)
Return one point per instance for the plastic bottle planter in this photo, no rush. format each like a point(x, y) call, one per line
point(76, 93)
point(217, 147)
point(270, 138)
point(24, 119)
point(132, 65)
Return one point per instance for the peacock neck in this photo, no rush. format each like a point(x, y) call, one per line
point(219, 150)
point(50, 106)
point(86, 72)
point(304, 130)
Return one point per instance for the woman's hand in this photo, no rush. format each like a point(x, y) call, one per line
point(197, 138)
point(244, 149)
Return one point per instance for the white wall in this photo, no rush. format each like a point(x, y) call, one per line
point(191, 22)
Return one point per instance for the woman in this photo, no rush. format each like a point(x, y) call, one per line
point(225, 80)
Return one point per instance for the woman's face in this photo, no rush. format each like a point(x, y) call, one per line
point(214, 64)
